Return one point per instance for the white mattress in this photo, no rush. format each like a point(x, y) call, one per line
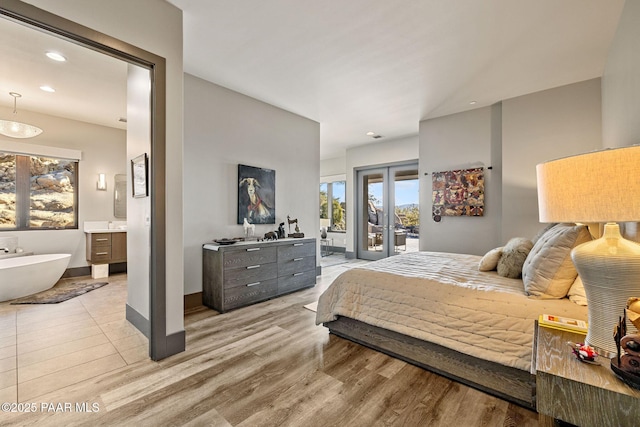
point(444, 299)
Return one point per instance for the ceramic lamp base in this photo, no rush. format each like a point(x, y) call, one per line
point(610, 271)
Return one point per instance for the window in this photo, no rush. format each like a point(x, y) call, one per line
point(334, 214)
point(37, 192)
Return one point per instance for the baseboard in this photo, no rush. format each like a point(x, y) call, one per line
point(77, 271)
point(337, 249)
point(318, 270)
point(120, 267)
point(139, 321)
point(192, 300)
point(176, 343)
point(350, 255)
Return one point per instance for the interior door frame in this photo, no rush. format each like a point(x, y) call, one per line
point(26, 14)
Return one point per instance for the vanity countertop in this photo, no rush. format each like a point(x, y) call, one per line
point(105, 227)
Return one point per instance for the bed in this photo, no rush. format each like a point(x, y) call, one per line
point(436, 310)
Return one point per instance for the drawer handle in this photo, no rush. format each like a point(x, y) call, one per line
point(251, 267)
point(102, 253)
point(297, 274)
point(102, 240)
point(253, 284)
point(253, 249)
point(298, 259)
point(298, 244)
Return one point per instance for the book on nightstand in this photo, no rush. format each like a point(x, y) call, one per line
point(563, 323)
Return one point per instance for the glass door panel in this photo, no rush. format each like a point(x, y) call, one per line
point(372, 227)
point(405, 205)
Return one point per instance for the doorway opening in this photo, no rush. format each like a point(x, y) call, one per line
point(40, 20)
point(388, 211)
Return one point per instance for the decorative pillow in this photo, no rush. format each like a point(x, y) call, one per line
point(548, 271)
point(576, 292)
point(490, 260)
point(513, 256)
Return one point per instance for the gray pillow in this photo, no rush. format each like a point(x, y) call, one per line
point(513, 256)
point(548, 271)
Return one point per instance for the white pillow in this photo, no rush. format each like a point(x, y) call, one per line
point(576, 292)
point(490, 260)
point(548, 271)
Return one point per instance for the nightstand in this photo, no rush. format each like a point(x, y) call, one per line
point(576, 392)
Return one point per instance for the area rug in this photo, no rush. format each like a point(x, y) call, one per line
point(313, 306)
point(59, 293)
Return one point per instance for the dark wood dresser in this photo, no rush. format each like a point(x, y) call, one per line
point(245, 273)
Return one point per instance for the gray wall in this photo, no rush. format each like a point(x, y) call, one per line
point(460, 141)
point(621, 82)
point(512, 137)
point(538, 127)
point(222, 129)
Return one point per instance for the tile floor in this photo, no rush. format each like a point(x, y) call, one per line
point(45, 347)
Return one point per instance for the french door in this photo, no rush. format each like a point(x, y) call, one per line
point(387, 211)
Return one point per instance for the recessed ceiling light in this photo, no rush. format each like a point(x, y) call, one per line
point(370, 133)
point(56, 56)
point(47, 89)
point(473, 102)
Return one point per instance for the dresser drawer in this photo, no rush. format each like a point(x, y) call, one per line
point(249, 274)
point(100, 253)
point(296, 250)
point(293, 282)
point(249, 256)
point(296, 265)
point(250, 293)
point(101, 239)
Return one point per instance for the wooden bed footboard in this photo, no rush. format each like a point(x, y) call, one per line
point(508, 383)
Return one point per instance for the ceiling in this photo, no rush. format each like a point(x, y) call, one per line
point(353, 66)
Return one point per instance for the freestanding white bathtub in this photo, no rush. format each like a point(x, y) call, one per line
point(26, 275)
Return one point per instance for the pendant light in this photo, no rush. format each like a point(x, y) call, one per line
point(15, 129)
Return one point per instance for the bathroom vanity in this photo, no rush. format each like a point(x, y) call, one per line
point(106, 243)
point(107, 248)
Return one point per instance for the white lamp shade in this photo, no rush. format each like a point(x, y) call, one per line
point(602, 186)
point(18, 130)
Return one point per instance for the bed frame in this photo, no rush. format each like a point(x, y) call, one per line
point(514, 385)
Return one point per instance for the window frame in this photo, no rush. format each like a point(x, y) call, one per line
point(329, 185)
point(23, 192)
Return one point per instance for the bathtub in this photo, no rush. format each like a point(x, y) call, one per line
point(26, 275)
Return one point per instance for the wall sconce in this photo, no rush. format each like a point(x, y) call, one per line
point(102, 182)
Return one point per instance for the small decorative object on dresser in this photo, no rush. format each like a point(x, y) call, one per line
point(297, 234)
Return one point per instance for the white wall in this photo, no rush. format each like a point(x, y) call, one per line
point(381, 153)
point(621, 82)
point(538, 127)
point(139, 208)
point(460, 141)
point(103, 151)
point(223, 129)
point(155, 26)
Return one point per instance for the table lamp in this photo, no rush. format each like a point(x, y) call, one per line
point(598, 187)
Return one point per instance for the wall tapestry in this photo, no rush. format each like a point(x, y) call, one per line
point(457, 193)
point(256, 195)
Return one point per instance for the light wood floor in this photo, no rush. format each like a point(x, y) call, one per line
point(263, 365)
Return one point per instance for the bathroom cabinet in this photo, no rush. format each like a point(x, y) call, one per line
point(106, 248)
point(245, 273)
